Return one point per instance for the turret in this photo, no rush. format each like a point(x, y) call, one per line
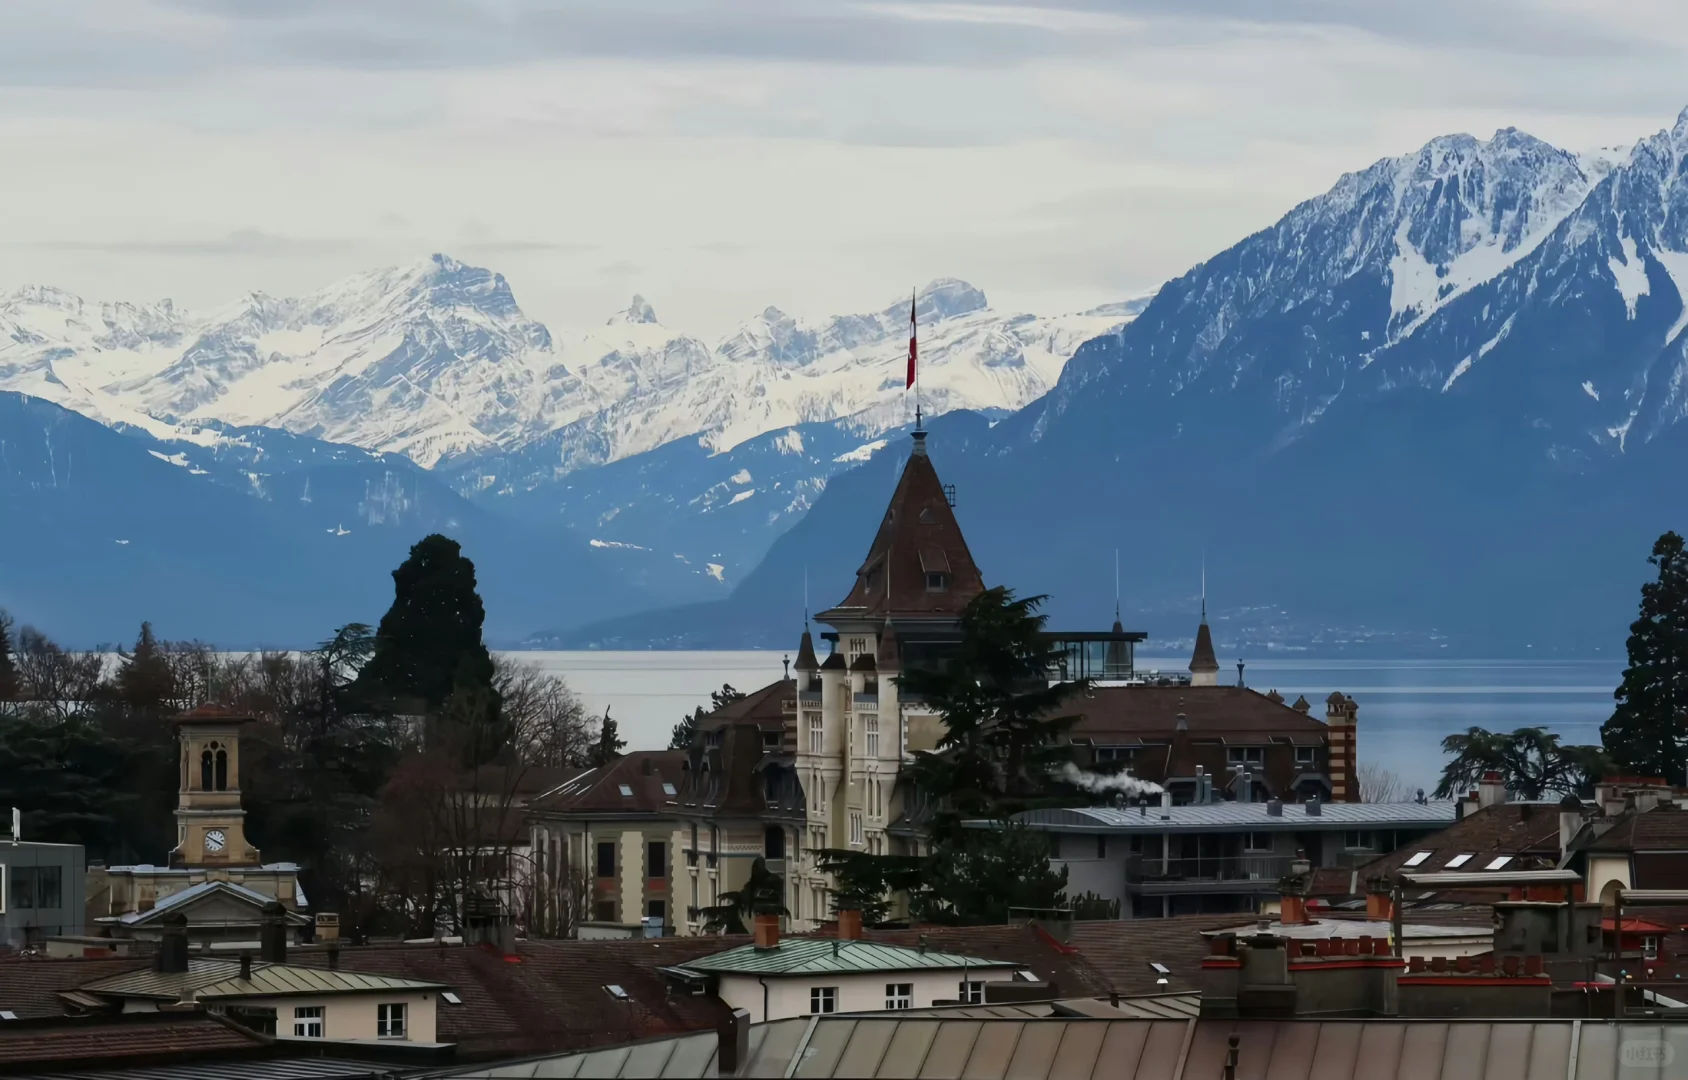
point(1341, 716)
point(1204, 666)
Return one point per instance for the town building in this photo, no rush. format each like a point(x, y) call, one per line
point(41, 892)
point(211, 843)
point(1216, 856)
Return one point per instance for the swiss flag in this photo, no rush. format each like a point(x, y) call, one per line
point(912, 348)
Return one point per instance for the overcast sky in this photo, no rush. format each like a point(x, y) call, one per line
point(719, 156)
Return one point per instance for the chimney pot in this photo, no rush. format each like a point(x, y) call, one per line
point(767, 931)
point(1533, 964)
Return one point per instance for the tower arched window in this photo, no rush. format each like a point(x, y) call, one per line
point(222, 770)
point(205, 769)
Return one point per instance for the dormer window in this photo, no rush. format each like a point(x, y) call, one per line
point(770, 741)
point(936, 582)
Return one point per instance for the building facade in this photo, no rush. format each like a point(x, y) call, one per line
point(41, 892)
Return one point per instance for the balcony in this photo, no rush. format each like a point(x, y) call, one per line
point(868, 699)
point(809, 697)
point(1206, 873)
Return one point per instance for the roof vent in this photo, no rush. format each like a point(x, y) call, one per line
point(1314, 807)
point(1274, 808)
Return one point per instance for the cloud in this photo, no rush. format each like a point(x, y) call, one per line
point(240, 242)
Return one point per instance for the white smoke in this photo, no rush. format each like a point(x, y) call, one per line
point(1123, 782)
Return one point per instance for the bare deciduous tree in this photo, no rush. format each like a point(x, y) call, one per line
point(54, 682)
point(1380, 785)
point(547, 723)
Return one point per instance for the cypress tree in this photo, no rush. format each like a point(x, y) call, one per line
point(429, 645)
point(609, 745)
point(1647, 732)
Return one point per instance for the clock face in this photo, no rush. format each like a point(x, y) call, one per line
point(214, 840)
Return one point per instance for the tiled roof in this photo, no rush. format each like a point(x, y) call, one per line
point(1120, 952)
point(867, 1048)
point(1021, 944)
point(765, 708)
point(1217, 817)
point(208, 978)
point(1662, 829)
point(919, 531)
point(519, 781)
point(112, 1040)
point(1520, 830)
point(805, 956)
point(206, 888)
point(29, 986)
point(550, 996)
point(1215, 711)
point(635, 784)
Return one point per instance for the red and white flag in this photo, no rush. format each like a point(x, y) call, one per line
point(912, 348)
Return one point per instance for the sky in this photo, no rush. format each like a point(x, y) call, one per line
point(721, 156)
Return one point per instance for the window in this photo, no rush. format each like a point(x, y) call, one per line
point(1359, 841)
point(450, 998)
point(22, 888)
point(972, 993)
point(307, 1022)
point(857, 833)
point(617, 991)
point(626, 790)
point(1496, 864)
point(857, 645)
point(1307, 755)
point(1115, 753)
point(823, 999)
point(1101, 847)
point(606, 858)
point(816, 734)
point(935, 582)
point(899, 995)
point(656, 859)
point(668, 789)
point(1054, 845)
point(389, 1021)
point(871, 723)
point(1257, 841)
point(1458, 861)
point(770, 742)
point(1418, 857)
point(1245, 755)
point(1649, 948)
point(656, 909)
point(604, 911)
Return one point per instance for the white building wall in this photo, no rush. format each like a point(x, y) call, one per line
point(353, 1016)
point(788, 996)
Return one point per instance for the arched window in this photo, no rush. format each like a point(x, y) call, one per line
point(205, 770)
point(222, 770)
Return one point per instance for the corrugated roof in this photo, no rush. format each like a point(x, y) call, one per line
point(205, 888)
point(893, 1045)
point(1149, 1007)
point(804, 956)
point(221, 978)
point(305, 1068)
point(1235, 815)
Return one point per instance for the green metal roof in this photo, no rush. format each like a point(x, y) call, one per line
point(808, 956)
point(217, 978)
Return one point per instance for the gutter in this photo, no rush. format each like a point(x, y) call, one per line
point(763, 979)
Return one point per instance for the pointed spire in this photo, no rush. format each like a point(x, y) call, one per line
point(1204, 665)
point(806, 653)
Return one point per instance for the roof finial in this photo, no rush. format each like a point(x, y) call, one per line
point(805, 596)
point(1116, 584)
point(1204, 585)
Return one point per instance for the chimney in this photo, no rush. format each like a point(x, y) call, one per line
point(172, 958)
point(732, 1043)
point(1292, 893)
point(1274, 808)
point(245, 967)
point(1341, 717)
point(327, 927)
point(1491, 790)
point(272, 933)
point(334, 956)
point(767, 931)
point(1380, 907)
point(1245, 787)
point(1570, 821)
point(1166, 799)
point(849, 924)
point(645, 766)
point(1314, 807)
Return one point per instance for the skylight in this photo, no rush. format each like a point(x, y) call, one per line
point(451, 998)
point(1496, 864)
point(7, 1014)
point(668, 789)
point(1160, 969)
point(626, 789)
point(616, 992)
point(1458, 860)
point(1417, 858)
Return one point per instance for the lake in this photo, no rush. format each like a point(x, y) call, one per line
point(1406, 706)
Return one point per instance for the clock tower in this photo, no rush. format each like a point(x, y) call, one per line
point(210, 823)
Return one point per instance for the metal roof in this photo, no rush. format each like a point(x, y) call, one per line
point(205, 888)
point(1181, 1006)
point(891, 1045)
point(1356, 928)
point(220, 978)
point(1215, 817)
point(807, 956)
point(303, 1068)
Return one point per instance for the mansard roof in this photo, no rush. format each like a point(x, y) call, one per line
point(918, 535)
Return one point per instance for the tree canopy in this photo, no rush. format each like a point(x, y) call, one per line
point(763, 893)
point(1647, 734)
point(1531, 761)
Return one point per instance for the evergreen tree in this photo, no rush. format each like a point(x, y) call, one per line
point(1648, 732)
point(428, 645)
point(11, 686)
point(1531, 761)
point(720, 699)
point(144, 683)
point(609, 744)
point(685, 731)
point(763, 893)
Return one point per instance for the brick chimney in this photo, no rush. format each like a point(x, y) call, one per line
point(849, 924)
point(1491, 790)
point(1380, 906)
point(768, 931)
point(1292, 893)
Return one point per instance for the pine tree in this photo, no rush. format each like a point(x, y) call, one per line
point(685, 731)
point(144, 682)
point(429, 642)
point(1648, 732)
point(609, 744)
point(11, 686)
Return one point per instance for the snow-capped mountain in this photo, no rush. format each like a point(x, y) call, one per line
point(438, 362)
point(1446, 394)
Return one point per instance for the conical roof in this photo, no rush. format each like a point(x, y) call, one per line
point(1203, 659)
point(890, 653)
point(806, 653)
point(918, 536)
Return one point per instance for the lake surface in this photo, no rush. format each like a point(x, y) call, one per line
point(1406, 706)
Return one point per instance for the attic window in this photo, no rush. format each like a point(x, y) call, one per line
point(617, 992)
point(927, 517)
point(1417, 858)
point(668, 789)
point(936, 582)
point(770, 740)
point(451, 998)
point(626, 789)
point(1458, 861)
point(1496, 864)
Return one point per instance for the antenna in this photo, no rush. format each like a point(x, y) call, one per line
point(1116, 584)
point(1204, 584)
point(805, 596)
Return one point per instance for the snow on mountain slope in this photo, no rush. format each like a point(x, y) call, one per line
point(437, 361)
